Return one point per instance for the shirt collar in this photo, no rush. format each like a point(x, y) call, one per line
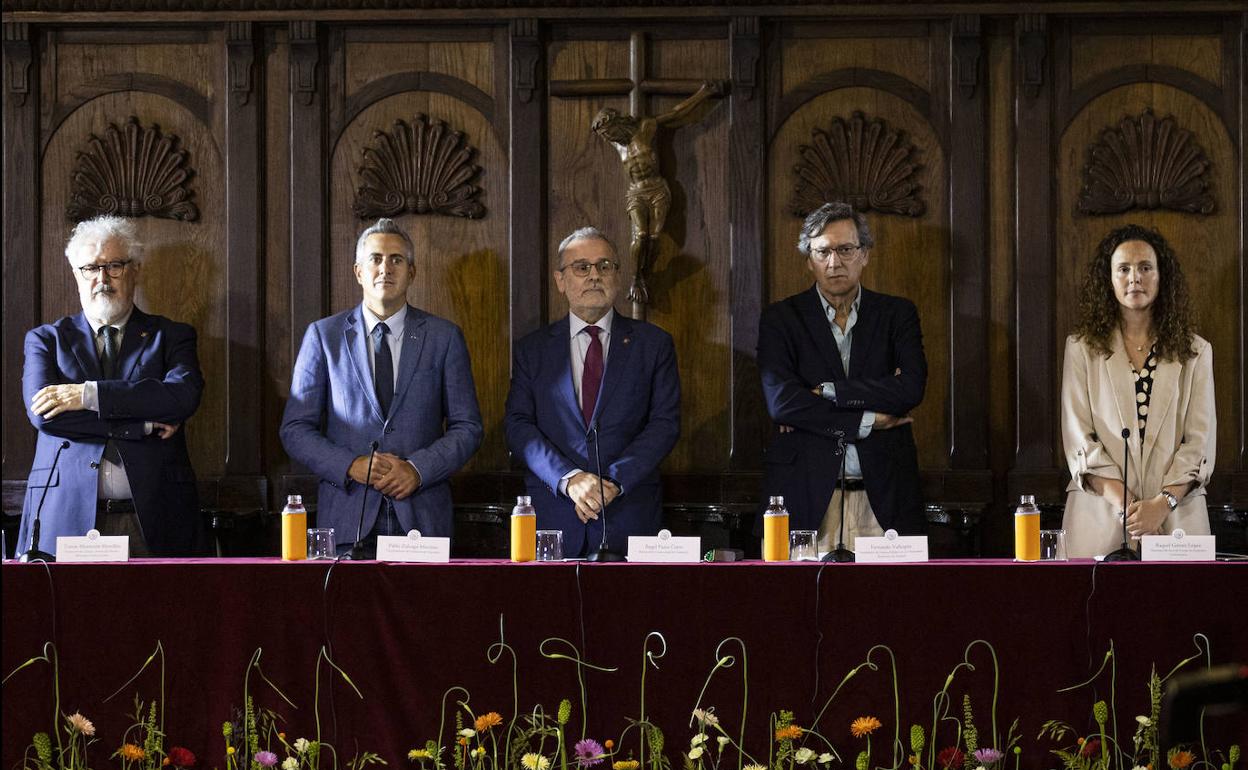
point(576, 324)
point(828, 309)
point(395, 322)
point(120, 326)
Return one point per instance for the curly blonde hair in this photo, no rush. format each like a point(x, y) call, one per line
point(1099, 308)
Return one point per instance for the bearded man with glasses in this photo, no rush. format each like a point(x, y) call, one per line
point(594, 407)
point(842, 367)
point(113, 385)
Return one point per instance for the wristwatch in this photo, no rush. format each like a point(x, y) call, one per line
point(1171, 500)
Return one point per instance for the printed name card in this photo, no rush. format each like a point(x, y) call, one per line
point(890, 549)
point(665, 548)
point(1178, 546)
point(413, 548)
point(92, 547)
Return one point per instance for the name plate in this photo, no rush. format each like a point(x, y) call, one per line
point(1178, 546)
point(665, 548)
point(413, 548)
point(890, 549)
point(92, 547)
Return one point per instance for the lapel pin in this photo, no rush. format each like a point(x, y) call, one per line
point(626, 340)
point(142, 334)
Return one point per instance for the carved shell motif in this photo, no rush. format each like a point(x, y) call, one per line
point(418, 168)
point(131, 172)
point(1146, 163)
point(860, 162)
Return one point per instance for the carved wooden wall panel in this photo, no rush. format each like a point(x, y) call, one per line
point(1204, 244)
point(911, 256)
point(461, 264)
point(183, 275)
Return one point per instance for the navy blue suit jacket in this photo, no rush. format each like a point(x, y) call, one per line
point(797, 352)
point(333, 415)
point(158, 379)
point(637, 419)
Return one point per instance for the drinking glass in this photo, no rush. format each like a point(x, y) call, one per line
point(802, 545)
point(1053, 545)
point(549, 545)
point(321, 543)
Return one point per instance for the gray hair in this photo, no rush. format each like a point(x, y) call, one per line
point(102, 229)
point(384, 226)
point(825, 215)
point(590, 233)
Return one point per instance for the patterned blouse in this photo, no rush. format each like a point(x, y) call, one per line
point(1144, 388)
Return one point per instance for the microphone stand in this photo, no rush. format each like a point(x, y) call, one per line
point(1125, 552)
point(602, 553)
point(34, 554)
point(841, 554)
point(357, 548)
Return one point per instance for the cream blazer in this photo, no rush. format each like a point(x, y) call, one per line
point(1180, 438)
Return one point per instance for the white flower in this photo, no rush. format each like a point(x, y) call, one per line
point(467, 732)
point(301, 745)
point(695, 752)
point(1145, 721)
point(533, 761)
point(804, 755)
point(290, 763)
point(724, 740)
point(706, 717)
point(825, 758)
point(698, 739)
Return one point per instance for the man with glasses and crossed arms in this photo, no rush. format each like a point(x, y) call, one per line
point(115, 385)
point(593, 376)
point(842, 365)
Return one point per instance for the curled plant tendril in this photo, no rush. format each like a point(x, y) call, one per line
point(728, 661)
point(844, 680)
point(445, 695)
point(159, 651)
point(581, 665)
point(493, 654)
point(50, 657)
point(648, 656)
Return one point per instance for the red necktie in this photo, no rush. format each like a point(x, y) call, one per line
point(591, 377)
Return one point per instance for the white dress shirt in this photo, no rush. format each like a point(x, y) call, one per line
point(114, 484)
point(844, 341)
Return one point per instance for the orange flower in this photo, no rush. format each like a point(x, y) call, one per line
point(789, 733)
point(463, 741)
point(1080, 741)
point(913, 760)
point(864, 726)
point(132, 753)
point(486, 721)
point(1181, 759)
point(610, 744)
point(166, 762)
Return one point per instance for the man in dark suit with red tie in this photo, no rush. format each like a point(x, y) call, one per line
point(113, 385)
point(842, 366)
point(594, 376)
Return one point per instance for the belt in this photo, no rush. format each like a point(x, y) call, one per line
point(106, 506)
point(852, 485)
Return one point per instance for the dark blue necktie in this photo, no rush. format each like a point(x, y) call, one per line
point(109, 362)
point(383, 368)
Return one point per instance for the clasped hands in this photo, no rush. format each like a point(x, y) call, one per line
point(392, 475)
point(1144, 517)
point(52, 400)
point(583, 490)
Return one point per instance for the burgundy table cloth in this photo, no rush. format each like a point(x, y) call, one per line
point(407, 632)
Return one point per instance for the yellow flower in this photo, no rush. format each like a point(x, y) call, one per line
point(486, 721)
point(229, 750)
point(416, 754)
point(626, 764)
point(132, 753)
point(532, 761)
point(479, 751)
point(789, 733)
point(1181, 759)
point(864, 726)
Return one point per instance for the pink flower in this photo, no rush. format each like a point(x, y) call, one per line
point(589, 752)
point(266, 758)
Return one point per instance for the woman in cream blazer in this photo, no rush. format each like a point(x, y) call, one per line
point(1135, 325)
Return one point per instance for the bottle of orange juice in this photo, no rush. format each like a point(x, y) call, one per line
point(1027, 530)
point(294, 529)
point(523, 530)
point(776, 530)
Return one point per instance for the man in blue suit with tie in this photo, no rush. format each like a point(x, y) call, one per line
point(388, 375)
point(108, 390)
point(593, 393)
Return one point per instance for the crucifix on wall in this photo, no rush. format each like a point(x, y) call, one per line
point(648, 197)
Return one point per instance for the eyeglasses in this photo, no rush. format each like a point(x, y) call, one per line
point(113, 269)
point(847, 253)
point(581, 269)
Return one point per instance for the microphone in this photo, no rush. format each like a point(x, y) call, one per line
point(34, 554)
point(841, 554)
point(1125, 552)
point(602, 553)
point(357, 548)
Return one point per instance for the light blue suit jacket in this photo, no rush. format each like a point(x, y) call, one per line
point(333, 416)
